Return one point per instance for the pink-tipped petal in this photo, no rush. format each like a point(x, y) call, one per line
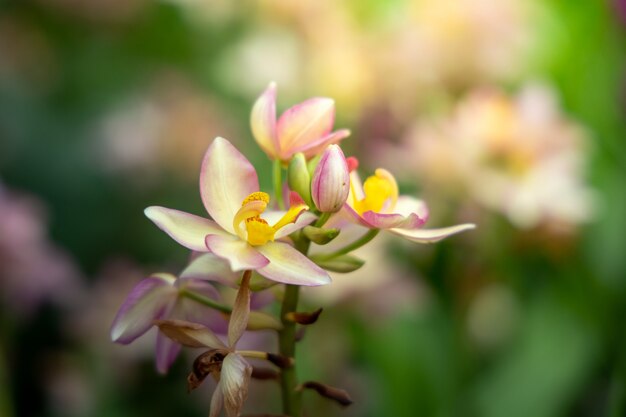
point(304, 123)
point(330, 183)
point(147, 301)
point(349, 213)
point(226, 179)
point(407, 205)
point(392, 220)
point(239, 254)
point(190, 334)
point(431, 235)
point(187, 229)
point(166, 352)
point(289, 266)
point(263, 121)
point(316, 147)
point(234, 381)
point(241, 312)
point(210, 267)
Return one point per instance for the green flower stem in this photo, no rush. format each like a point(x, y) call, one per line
point(206, 301)
point(322, 219)
point(278, 183)
point(366, 238)
point(292, 400)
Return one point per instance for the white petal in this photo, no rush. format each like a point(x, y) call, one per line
point(226, 179)
point(263, 121)
point(237, 252)
point(217, 401)
point(289, 266)
point(234, 381)
point(210, 267)
point(431, 235)
point(187, 229)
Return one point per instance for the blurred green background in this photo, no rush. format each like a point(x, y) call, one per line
point(106, 107)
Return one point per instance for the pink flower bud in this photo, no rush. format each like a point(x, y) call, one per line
point(331, 181)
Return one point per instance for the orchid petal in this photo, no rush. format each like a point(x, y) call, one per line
point(391, 220)
point(317, 146)
point(166, 352)
point(210, 267)
point(187, 229)
point(304, 219)
point(190, 334)
point(407, 205)
point(350, 213)
point(226, 179)
point(241, 312)
point(289, 266)
point(217, 401)
point(263, 121)
point(304, 123)
point(356, 188)
point(239, 254)
point(147, 301)
point(431, 235)
point(234, 381)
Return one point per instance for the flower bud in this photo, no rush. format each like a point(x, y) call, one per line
point(320, 235)
point(299, 178)
point(331, 181)
point(343, 263)
point(263, 321)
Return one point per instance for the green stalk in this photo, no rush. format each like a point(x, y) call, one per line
point(292, 400)
point(278, 183)
point(366, 238)
point(206, 301)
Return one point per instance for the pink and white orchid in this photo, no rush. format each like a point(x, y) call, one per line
point(229, 188)
point(160, 296)
point(376, 204)
point(305, 127)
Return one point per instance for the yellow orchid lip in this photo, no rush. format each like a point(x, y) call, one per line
point(257, 231)
point(380, 193)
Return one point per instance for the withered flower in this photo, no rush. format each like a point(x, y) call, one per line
point(231, 371)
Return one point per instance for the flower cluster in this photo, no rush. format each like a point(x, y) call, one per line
point(247, 232)
point(520, 156)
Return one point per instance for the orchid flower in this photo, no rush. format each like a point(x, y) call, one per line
point(376, 204)
point(222, 361)
point(160, 296)
point(305, 127)
point(229, 188)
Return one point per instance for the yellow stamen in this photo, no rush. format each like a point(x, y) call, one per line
point(381, 193)
point(256, 196)
point(259, 232)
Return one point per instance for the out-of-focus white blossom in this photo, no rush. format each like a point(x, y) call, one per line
point(517, 155)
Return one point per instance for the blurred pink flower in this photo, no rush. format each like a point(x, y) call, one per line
point(163, 129)
point(305, 127)
point(33, 270)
